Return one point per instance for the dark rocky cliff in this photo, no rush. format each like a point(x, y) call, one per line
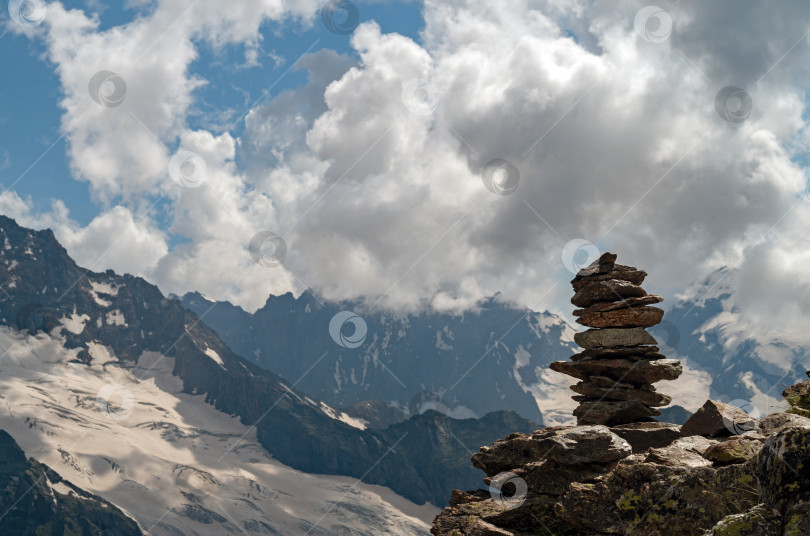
point(35, 500)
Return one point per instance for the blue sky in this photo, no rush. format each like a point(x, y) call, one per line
point(32, 151)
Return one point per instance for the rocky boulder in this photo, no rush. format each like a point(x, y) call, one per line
point(635, 353)
point(758, 521)
point(582, 444)
point(776, 422)
point(670, 491)
point(612, 412)
point(782, 468)
point(629, 317)
point(798, 396)
point(734, 450)
point(608, 290)
point(624, 303)
point(783, 465)
point(621, 370)
point(645, 396)
point(718, 419)
point(645, 435)
point(610, 337)
point(584, 480)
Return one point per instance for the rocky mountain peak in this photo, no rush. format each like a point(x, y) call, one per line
point(44, 503)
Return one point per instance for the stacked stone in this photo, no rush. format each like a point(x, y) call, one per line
point(620, 361)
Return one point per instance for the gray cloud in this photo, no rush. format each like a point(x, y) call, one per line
point(377, 189)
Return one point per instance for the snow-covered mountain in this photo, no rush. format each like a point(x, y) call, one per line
point(133, 398)
point(176, 464)
point(494, 357)
point(741, 361)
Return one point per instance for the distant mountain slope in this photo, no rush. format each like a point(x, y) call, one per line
point(169, 459)
point(406, 357)
point(112, 320)
point(36, 501)
point(480, 361)
point(743, 363)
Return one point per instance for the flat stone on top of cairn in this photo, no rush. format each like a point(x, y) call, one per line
point(620, 361)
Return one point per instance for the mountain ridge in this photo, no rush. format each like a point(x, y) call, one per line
point(487, 359)
point(47, 291)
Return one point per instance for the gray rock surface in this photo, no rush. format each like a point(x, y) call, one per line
point(612, 412)
point(611, 337)
point(608, 290)
point(623, 370)
point(582, 444)
point(718, 419)
point(645, 435)
point(648, 397)
point(628, 317)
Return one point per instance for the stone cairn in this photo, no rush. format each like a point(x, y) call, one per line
point(620, 361)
